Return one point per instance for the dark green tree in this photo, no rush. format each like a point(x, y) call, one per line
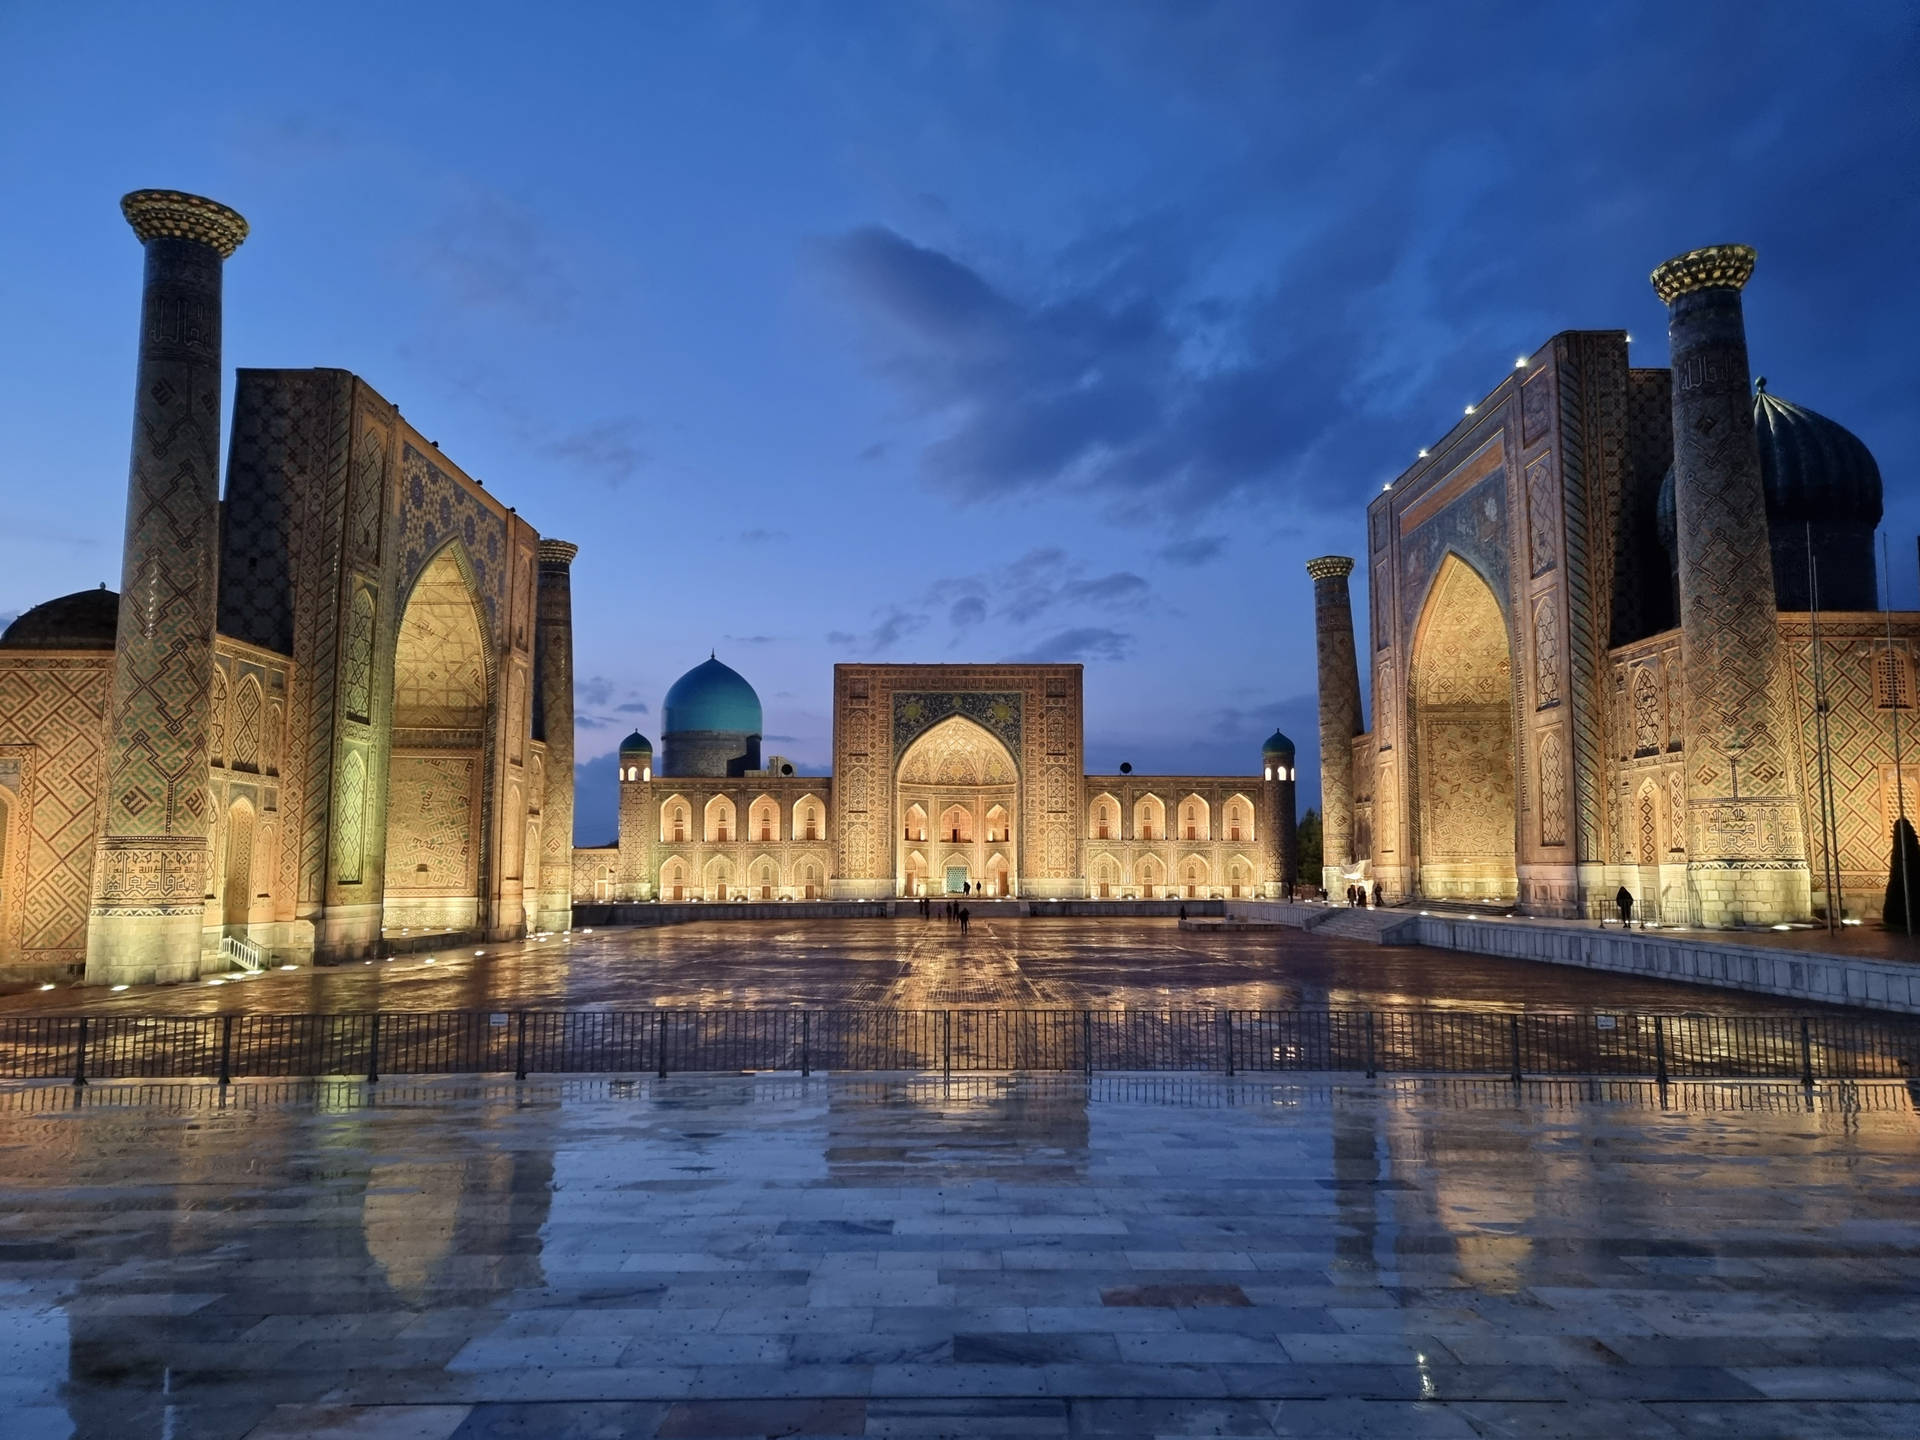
point(1310, 848)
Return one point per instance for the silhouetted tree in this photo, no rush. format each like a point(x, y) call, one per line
point(1310, 848)
point(1903, 877)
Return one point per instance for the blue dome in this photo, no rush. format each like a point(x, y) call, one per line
point(1277, 745)
point(711, 696)
point(636, 744)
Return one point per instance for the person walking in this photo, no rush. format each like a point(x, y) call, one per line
point(966, 918)
point(1625, 901)
point(1376, 894)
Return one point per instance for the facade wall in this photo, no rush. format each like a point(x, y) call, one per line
point(1523, 495)
point(1868, 687)
point(53, 716)
point(965, 771)
point(339, 513)
point(721, 853)
point(881, 710)
point(250, 817)
point(1220, 859)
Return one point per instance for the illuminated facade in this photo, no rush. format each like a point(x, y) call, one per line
point(317, 721)
point(948, 779)
point(1590, 639)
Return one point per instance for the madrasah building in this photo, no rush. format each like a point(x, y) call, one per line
point(947, 780)
point(334, 709)
point(1624, 631)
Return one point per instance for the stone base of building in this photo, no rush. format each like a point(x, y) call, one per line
point(1749, 892)
point(860, 889)
point(549, 918)
point(126, 947)
point(347, 932)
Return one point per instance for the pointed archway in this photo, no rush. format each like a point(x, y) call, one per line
point(436, 773)
point(962, 778)
point(1463, 740)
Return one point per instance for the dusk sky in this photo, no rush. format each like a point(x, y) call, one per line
point(945, 331)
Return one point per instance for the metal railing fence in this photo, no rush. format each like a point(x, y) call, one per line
point(1534, 1045)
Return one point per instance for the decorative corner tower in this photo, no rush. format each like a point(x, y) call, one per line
point(1746, 847)
point(150, 862)
point(1339, 712)
point(1282, 827)
point(554, 645)
point(638, 819)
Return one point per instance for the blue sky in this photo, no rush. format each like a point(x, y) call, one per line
point(945, 331)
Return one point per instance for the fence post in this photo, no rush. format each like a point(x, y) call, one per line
point(946, 1043)
point(1660, 1050)
point(1806, 1055)
point(1226, 1033)
point(1086, 1041)
point(520, 1049)
point(660, 1039)
point(80, 1054)
point(373, 1050)
point(1513, 1040)
point(1370, 1066)
point(226, 1049)
point(806, 1043)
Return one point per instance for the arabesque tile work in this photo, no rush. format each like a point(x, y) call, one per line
point(763, 1255)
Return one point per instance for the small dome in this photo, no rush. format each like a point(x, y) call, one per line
point(1814, 469)
point(636, 744)
point(84, 620)
point(1278, 747)
point(711, 697)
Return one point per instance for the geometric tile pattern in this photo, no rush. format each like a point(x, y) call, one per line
point(53, 720)
point(1340, 719)
point(1736, 742)
point(154, 835)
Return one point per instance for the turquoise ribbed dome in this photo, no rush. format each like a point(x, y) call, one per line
point(636, 744)
point(711, 696)
point(1276, 747)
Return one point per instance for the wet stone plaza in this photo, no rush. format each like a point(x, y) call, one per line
point(911, 1257)
point(1006, 963)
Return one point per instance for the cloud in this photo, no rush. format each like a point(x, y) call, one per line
point(759, 536)
point(632, 707)
point(1196, 551)
point(1087, 642)
point(595, 692)
point(486, 251)
point(751, 639)
point(966, 612)
point(895, 623)
point(609, 451)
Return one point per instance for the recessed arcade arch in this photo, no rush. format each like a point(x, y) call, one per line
point(442, 694)
point(1461, 698)
point(960, 772)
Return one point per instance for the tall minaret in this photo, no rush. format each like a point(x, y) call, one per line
point(1746, 845)
point(150, 862)
point(554, 646)
point(1339, 713)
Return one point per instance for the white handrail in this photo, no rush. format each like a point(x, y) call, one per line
point(243, 953)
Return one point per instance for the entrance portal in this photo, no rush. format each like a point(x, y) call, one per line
point(961, 777)
point(1462, 721)
point(437, 769)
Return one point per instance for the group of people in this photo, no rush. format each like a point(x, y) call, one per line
point(1357, 895)
point(953, 912)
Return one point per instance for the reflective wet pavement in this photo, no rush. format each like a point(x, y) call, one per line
point(911, 1257)
point(908, 963)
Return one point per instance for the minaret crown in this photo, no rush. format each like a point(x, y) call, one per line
point(174, 213)
point(1330, 567)
point(1723, 267)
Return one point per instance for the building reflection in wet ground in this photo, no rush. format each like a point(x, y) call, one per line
point(1036, 1255)
point(914, 964)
